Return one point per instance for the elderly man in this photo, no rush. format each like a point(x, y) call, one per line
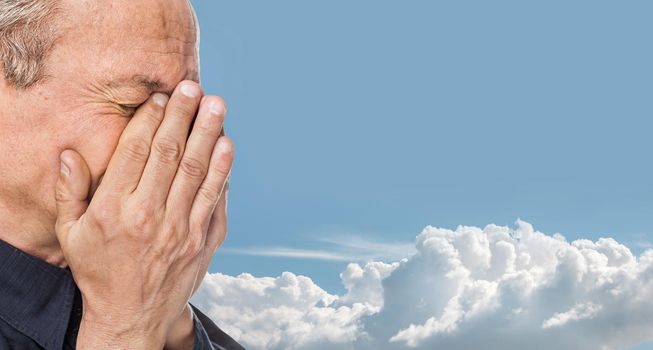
point(113, 176)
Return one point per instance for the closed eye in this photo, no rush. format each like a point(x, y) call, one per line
point(128, 109)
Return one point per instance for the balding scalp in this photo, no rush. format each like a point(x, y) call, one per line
point(27, 34)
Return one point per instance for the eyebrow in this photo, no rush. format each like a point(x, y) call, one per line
point(150, 84)
point(147, 83)
point(138, 81)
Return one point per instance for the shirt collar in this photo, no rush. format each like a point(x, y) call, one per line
point(36, 297)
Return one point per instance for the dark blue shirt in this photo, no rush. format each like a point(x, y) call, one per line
point(41, 307)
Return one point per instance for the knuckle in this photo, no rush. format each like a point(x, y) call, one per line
point(153, 114)
point(201, 226)
point(193, 168)
point(193, 246)
point(136, 149)
point(168, 150)
point(103, 216)
point(222, 169)
point(209, 129)
point(143, 220)
point(169, 233)
point(208, 194)
point(174, 229)
point(181, 110)
point(161, 252)
point(61, 194)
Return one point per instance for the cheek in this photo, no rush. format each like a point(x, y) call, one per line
point(94, 141)
point(100, 143)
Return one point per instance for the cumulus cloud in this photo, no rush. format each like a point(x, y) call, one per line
point(469, 288)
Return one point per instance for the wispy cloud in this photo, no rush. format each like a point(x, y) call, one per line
point(285, 252)
point(335, 247)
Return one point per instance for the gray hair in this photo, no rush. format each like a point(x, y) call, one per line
point(27, 34)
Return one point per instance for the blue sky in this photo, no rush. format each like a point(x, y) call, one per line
point(374, 119)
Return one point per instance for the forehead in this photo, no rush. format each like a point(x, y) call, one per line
point(150, 43)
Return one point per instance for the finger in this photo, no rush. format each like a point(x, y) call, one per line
point(128, 161)
point(217, 232)
point(169, 142)
point(211, 189)
point(71, 192)
point(194, 164)
point(216, 235)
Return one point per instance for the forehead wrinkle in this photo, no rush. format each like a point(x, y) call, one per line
point(187, 39)
point(177, 23)
point(172, 67)
point(169, 44)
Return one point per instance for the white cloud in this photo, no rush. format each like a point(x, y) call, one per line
point(578, 312)
point(336, 247)
point(469, 288)
point(285, 252)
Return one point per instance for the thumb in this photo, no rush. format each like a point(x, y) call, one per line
point(72, 190)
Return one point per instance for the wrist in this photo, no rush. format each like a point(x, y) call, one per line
point(92, 336)
point(102, 331)
point(182, 333)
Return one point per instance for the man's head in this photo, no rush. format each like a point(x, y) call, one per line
point(73, 72)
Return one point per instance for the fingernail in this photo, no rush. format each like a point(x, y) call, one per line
point(65, 170)
point(216, 108)
point(190, 90)
point(160, 99)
